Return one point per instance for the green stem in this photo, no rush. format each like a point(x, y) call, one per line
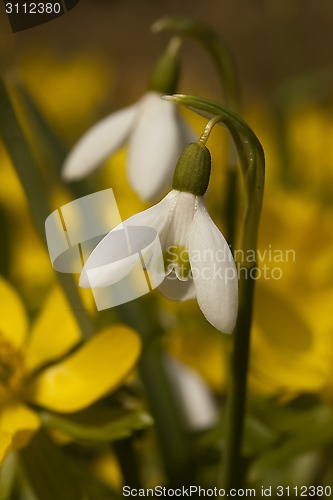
point(212, 43)
point(209, 127)
point(171, 435)
point(230, 204)
point(173, 440)
point(252, 162)
point(34, 188)
point(231, 471)
point(128, 462)
point(226, 70)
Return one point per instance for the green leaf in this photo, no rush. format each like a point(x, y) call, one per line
point(80, 461)
point(23, 161)
point(5, 240)
point(34, 187)
point(107, 426)
point(7, 476)
point(53, 150)
point(47, 471)
point(258, 437)
point(303, 431)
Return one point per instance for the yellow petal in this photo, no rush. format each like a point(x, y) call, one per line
point(11, 192)
point(5, 445)
point(19, 422)
point(13, 319)
point(201, 349)
point(280, 321)
point(288, 355)
point(275, 372)
point(54, 333)
point(107, 469)
point(129, 203)
point(95, 369)
point(76, 85)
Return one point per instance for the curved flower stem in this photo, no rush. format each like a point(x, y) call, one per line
point(209, 127)
point(252, 162)
point(218, 52)
point(34, 188)
point(226, 70)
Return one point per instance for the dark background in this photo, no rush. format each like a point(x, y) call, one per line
point(272, 40)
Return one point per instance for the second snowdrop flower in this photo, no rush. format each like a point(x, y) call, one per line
point(150, 126)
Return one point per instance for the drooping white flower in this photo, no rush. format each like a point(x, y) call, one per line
point(156, 135)
point(194, 397)
point(149, 126)
point(198, 260)
point(155, 132)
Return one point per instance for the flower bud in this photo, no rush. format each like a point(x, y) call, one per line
point(165, 76)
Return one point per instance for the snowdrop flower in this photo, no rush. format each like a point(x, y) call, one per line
point(150, 126)
point(194, 396)
point(198, 260)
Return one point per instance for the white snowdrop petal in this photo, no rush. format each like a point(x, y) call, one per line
point(98, 143)
point(105, 264)
point(156, 216)
point(105, 275)
point(214, 271)
point(195, 399)
point(155, 146)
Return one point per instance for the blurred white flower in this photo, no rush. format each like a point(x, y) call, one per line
point(198, 260)
point(195, 398)
point(156, 135)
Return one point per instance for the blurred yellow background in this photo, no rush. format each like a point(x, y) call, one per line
point(98, 58)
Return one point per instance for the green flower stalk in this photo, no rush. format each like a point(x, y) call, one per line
point(227, 74)
point(216, 49)
point(167, 70)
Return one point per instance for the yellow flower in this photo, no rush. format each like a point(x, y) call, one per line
point(201, 348)
point(292, 337)
point(30, 374)
point(309, 141)
point(291, 350)
point(72, 88)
